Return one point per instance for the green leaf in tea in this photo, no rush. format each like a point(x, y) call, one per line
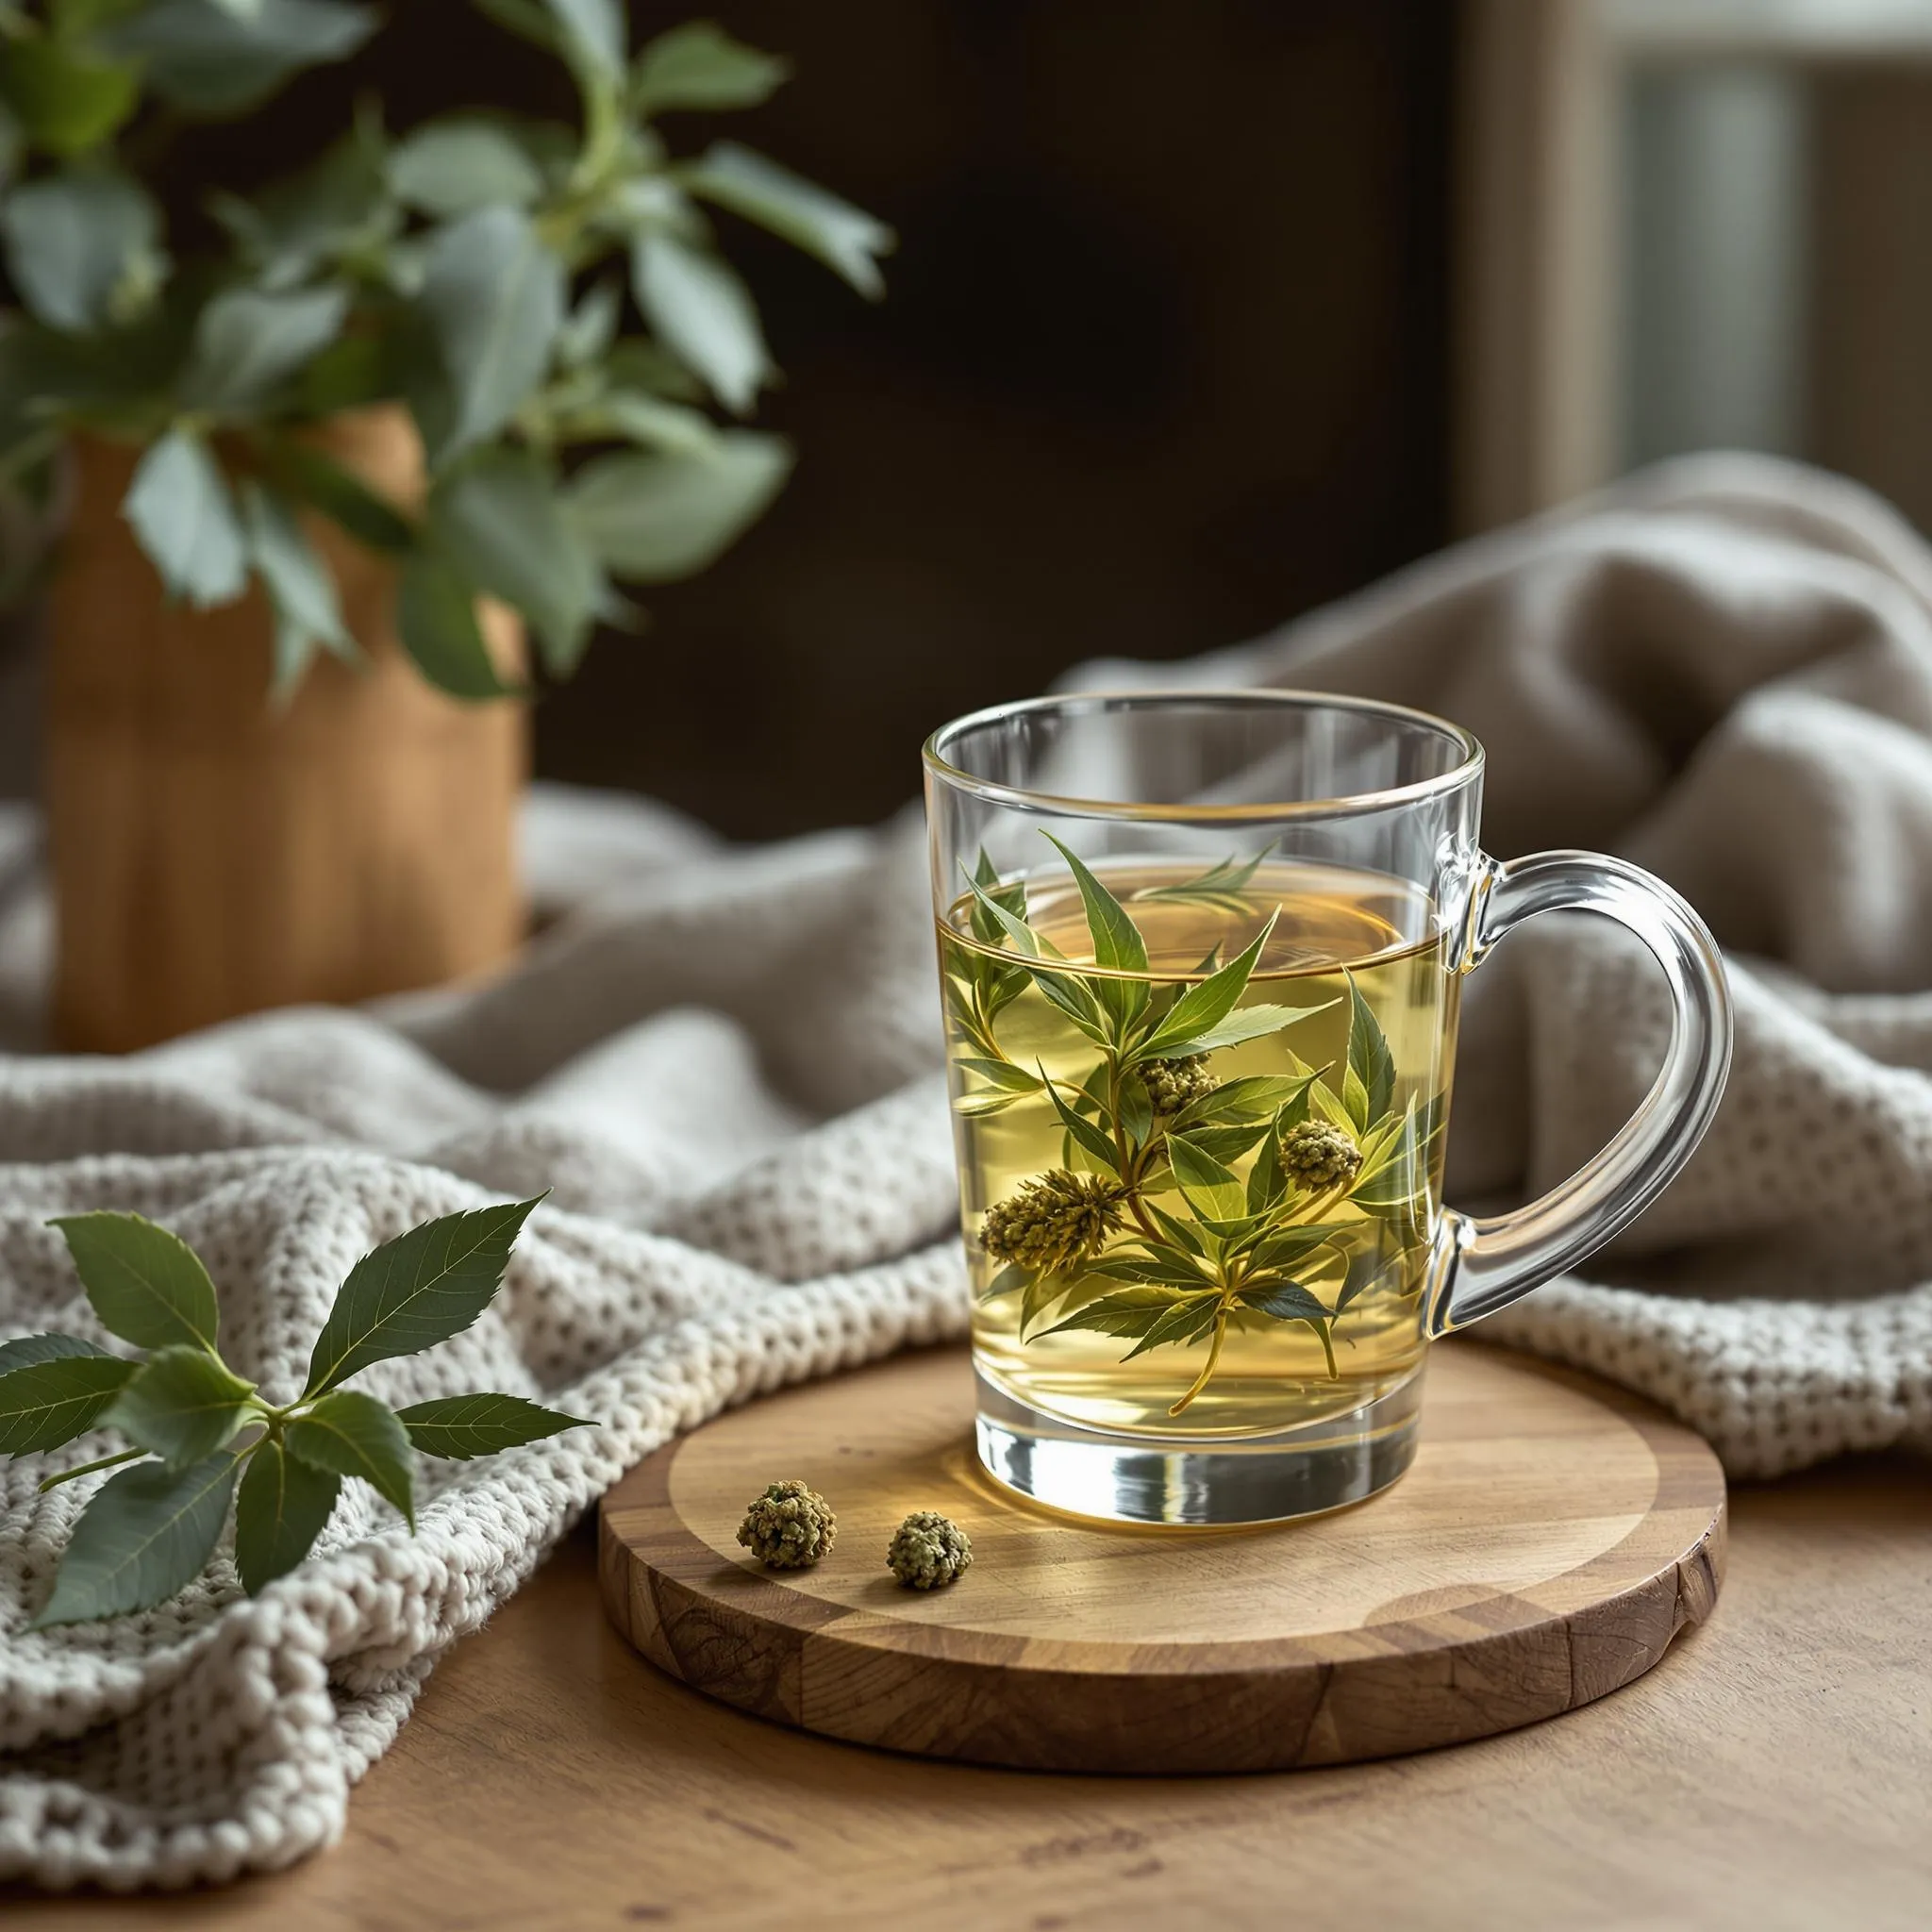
point(47, 1402)
point(143, 1535)
point(416, 1291)
point(284, 1505)
point(459, 1427)
point(181, 1405)
point(147, 1284)
point(1223, 887)
point(348, 1433)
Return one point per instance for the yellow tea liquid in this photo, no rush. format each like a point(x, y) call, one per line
point(1295, 1326)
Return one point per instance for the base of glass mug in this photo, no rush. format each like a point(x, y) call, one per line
point(1210, 1483)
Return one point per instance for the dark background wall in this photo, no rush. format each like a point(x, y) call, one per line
point(1162, 362)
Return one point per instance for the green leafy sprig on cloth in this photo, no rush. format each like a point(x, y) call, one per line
point(202, 1435)
point(1149, 1232)
point(480, 268)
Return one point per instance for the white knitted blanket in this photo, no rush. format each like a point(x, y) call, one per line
point(722, 1061)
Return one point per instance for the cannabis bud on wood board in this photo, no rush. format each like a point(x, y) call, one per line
point(533, 291)
point(203, 1435)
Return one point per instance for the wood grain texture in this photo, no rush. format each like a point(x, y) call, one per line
point(213, 856)
point(1772, 1778)
point(1551, 1541)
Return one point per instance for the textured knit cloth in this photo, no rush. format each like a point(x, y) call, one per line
point(722, 1061)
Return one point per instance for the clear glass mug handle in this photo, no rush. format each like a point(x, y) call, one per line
point(1481, 1263)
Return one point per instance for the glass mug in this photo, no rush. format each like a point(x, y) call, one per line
point(1201, 956)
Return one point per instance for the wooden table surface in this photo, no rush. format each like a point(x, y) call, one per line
point(1774, 1771)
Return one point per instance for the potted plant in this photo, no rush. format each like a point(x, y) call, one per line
point(440, 392)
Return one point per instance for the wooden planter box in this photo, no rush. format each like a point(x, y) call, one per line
point(213, 856)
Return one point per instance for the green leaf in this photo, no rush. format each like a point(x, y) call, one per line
point(703, 314)
point(349, 503)
point(248, 342)
point(50, 1401)
point(491, 302)
point(1179, 1233)
point(1369, 1058)
point(1228, 1145)
point(179, 508)
point(26, 1350)
point(654, 518)
point(205, 58)
point(594, 29)
point(463, 163)
point(1213, 1190)
point(1286, 1246)
point(1118, 946)
point(1168, 1268)
point(1267, 1184)
point(700, 66)
point(182, 1404)
point(650, 421)
point(1204, 1006)
point(146, 1285)
point(588, 331)
point(1136, 1113)
point(525, 17)
point(1285, 1300)
point(144, 1534)
point(1221, 887)
point(416, 1291)
point(1184, 1322)
point(1086, 1135)
point(338, 206)
point(1128, 1311)
point(284, 1506)
point(1254, 1096)
point(847, 240)
point(1003, 1074)
point(459, 1427)
point(435, 617)
point(1248, 1023)
point(498, 517)
point(299, 586)
point(348, 1433)
point(65, 100)
point(83, 247)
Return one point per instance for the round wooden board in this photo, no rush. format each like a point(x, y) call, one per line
point(1552, 1538)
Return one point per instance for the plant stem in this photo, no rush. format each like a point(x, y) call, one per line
point(67, 1475)
point(1207, 1369)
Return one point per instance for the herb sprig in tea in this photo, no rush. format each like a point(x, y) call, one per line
point(1186, 1206)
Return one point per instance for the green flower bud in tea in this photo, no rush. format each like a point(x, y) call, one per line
point(929, 1550)
point(1317, 1155)
point(788, 1528)
point(1172, 1084)
point(1056, 1219)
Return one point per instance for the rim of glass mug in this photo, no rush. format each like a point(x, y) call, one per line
point(1468, 767)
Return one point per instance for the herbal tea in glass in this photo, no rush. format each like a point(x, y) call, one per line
point(1200, 1116)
